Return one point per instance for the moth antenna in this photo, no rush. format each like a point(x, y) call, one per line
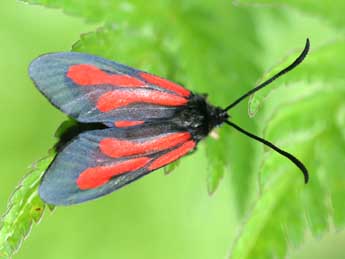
point(294, 64)
point(289, 156)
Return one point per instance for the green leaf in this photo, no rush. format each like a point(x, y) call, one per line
point(170, 167)
point(281, 52)
point(64, 126)
point(216, 164)
point(307, 117)
point(331, 12)
point(24, 208)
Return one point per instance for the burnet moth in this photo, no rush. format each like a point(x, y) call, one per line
point(128, 123)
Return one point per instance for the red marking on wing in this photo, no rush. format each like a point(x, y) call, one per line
point(88, 75)
point(161, 82)
point(172, 155)
point(97, 176)
point(115, 148)
point(124, 124)
point(119, 98)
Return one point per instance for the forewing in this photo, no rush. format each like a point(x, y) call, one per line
point(93, 89)
point(98, 162)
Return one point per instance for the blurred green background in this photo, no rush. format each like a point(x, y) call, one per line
point(159, 216)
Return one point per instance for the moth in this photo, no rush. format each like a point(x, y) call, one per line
point(128, 123)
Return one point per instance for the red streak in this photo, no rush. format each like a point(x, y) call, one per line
point(172, 155)
point(124, 124)
point(119, 98)
point(97, 176)
point(115, 148)
point(88, 75)
point(155, 80)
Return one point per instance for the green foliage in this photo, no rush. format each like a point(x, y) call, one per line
point(302, 114)
point(217, 166)
point(24, 208)
point(330, 13)
point(286, 210)
point(170, 167)
point(223, 49)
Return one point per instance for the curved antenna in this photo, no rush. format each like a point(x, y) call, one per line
point(293, 159)
point(294, 64)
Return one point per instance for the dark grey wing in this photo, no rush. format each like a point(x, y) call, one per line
point(93, 89)
point(98, 162)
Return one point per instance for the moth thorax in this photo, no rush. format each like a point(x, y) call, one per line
point(199, 117)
